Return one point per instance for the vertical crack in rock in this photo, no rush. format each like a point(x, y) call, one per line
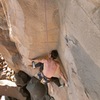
point(86, 92)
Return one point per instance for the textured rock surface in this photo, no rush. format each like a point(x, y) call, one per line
point(80, 31)
point(9, 88)
point(42, 31)
point(34, 30)
point(40, 36)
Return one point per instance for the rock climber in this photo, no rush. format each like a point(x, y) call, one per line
point(48, 68)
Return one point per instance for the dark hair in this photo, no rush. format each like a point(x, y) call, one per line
point(54, 54)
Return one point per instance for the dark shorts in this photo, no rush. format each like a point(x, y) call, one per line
point(47, 80)
point(42, 76)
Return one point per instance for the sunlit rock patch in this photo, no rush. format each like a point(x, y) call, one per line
point(5, 71)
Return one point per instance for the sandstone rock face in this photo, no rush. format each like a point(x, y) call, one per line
point(39, 37)
point(30, 28)
point(43, 27)
point(80, 30)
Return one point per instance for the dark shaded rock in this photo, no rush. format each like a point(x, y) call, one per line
point(10, 98)
point(37, 90)
point(22, 78)
point(25, 92)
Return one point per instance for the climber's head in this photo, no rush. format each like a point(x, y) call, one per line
point(54, 54)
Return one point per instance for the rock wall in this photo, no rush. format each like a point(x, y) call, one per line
point(31, 28)
point(80, 34)
point(42, 31)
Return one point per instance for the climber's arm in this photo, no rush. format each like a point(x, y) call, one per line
point(62, 75)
